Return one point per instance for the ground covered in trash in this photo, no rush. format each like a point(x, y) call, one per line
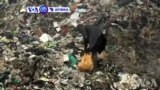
point(40, 52)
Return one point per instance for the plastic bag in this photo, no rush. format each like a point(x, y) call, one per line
point(86, 63)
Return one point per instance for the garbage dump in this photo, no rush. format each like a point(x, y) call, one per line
point(79, 44)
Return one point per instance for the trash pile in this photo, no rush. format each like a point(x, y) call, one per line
point(43, 51)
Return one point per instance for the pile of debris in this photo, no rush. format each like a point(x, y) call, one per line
point(42, 51)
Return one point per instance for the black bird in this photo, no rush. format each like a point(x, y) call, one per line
point(93, 38)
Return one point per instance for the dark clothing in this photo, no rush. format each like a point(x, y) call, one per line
point(94, 40)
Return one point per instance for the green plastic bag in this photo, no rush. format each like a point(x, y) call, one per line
point(72, 60)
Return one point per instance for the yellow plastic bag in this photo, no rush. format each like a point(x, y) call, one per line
point(86, 63)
